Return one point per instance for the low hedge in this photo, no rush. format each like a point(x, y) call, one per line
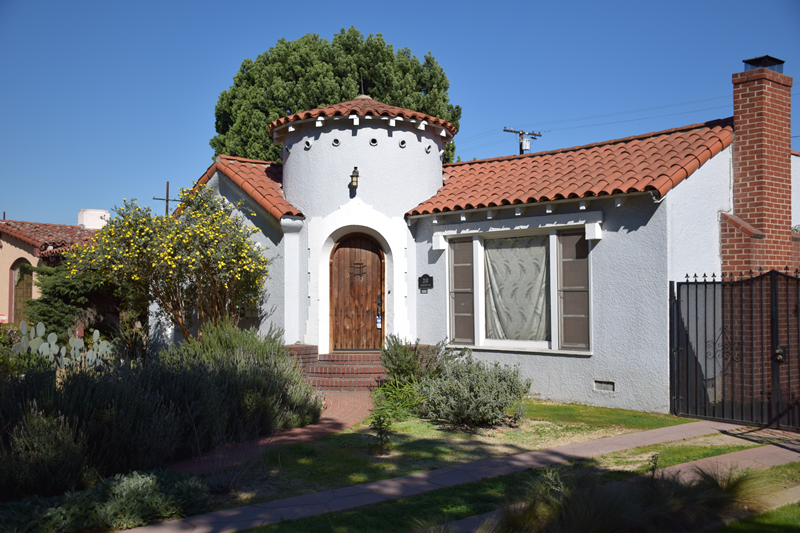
point(119, 502)
point(139, 416)
point(473, 392)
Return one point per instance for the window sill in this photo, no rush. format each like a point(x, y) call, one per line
point(509, 349)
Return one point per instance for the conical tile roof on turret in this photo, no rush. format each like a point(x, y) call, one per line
point(362, 106)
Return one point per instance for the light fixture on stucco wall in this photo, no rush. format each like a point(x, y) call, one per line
point(354, 178)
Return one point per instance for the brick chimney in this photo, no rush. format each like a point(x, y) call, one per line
point(758, 231)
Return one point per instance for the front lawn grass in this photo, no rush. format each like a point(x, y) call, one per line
point(461, 501)
point(785, 519)
point(599, 417)
point(638, 461)
point(343, 459)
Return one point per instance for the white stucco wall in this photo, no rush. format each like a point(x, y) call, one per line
point(317, 165)
point(693, 209)
point(629, 302)
point(270, 239)
point(93, 218)
point(393, 180)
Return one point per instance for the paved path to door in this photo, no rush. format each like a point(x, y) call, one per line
point(242, 518)
point(342, 410)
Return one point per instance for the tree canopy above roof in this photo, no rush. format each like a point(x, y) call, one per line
point(310, 73)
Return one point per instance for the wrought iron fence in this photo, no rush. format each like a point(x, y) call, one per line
point(734, 348)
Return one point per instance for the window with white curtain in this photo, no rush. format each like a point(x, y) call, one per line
point(526, 291)
point(517, 282)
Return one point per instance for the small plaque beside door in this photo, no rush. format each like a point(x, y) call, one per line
point(425, 282)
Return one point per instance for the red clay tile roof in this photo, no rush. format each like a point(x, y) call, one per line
point(58, 237)
point(362, 106)
point(652, 162)
point(260, 180)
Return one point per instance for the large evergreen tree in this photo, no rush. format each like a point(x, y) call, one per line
point(308, 73)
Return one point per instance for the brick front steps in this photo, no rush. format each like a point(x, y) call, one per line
point(351, 371)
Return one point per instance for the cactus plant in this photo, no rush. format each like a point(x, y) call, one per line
point(61, 358)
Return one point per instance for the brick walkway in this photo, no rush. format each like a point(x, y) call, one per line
point(242, 518)
point(342, 410)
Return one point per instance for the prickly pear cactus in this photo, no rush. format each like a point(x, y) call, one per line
point(34, 342)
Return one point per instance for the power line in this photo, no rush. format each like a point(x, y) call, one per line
point(606, 115)
point(609, 123)
point(640, 118)
point(461, 143)
point(559, 121)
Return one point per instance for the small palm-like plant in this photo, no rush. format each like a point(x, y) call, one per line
point(659, 503)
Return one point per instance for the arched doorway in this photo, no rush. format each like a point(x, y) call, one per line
point(21, 289)
point(357, 287)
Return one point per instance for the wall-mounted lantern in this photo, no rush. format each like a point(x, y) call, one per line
point(354, 178)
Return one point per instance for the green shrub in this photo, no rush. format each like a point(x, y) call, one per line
point(256, 378)
point(119, 502)
point(380, 422)
point(46, 455)
point(400, 399)
point(663, 503)
point(404, 361)
point(217, 340)
point(130, 421)
point(473, 392)
point(9, 336)
point(140, 415)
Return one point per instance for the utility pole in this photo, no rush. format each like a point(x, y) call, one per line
point(166, 199)
point(524, 144)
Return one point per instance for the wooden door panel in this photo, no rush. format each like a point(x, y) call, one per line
point(356, 282)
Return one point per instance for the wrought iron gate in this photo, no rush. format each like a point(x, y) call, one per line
point(734, 350)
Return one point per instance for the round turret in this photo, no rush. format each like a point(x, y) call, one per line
point(397, 153)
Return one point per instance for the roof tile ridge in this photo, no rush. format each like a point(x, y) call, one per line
point(360, 107)
point(24, 237)
point(709, 124)
point(795, 152)
point(245, 160)
point(75, 226)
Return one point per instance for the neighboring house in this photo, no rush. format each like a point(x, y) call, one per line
point(36, 244)
point(558, 261)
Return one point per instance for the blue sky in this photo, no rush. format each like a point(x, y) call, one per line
point(108, 100)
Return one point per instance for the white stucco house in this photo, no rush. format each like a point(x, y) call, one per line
point(558, 261)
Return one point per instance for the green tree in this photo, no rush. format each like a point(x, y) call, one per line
point(65, 300)
point(198, 267)
point(309, 73)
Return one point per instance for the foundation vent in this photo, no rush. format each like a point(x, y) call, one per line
point(607, 386)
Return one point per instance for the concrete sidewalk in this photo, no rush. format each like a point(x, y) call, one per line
point(242, 518)
point(754, 458)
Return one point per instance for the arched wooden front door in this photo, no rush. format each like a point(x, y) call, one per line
point(357, 302)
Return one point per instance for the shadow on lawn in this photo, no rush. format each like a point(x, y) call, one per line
point(441, 497)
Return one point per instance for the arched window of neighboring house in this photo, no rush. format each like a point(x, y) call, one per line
point(21, 289)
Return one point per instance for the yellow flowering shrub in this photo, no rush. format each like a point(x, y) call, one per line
point(201, 264)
